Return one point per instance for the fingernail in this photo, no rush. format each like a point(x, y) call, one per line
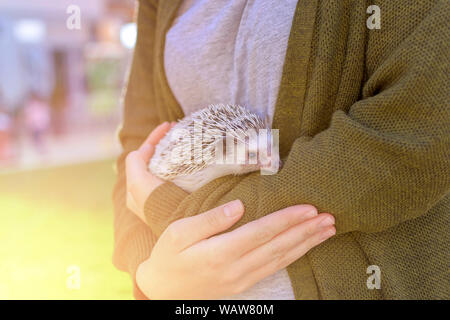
point(327, 234)
point(327, 221)
point(233, 208)
point(310, 214)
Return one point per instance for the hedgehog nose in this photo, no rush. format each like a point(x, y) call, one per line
point(267, 163)
point(271, 165)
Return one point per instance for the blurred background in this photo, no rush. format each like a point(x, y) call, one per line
point(63, 65)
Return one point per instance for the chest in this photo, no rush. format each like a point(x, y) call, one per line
point(322, 71)
point(229, 52)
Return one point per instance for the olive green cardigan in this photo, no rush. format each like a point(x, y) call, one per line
point(364, 120)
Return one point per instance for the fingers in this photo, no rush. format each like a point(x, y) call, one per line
point(148, 147)
point(158, 133)
point(203, 225)
point(140, 182)
point(147, 152)
point(290, 257)
point(255, 233)
point(292, 243)
point(136, 166)
point(137, 161)
point(250, 278)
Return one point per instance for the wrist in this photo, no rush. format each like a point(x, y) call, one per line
point(161, 204)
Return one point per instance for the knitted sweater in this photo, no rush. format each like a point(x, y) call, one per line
point(364, 120)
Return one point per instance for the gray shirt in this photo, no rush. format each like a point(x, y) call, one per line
point(231, 51)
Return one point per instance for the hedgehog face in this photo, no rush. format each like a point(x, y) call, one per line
point(248, 153)
point(261, 153)
point(198, 148)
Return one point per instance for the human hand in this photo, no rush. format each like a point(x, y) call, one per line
point(192, 261)
point(140, 181)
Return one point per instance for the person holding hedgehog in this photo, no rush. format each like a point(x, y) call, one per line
point(363, 121)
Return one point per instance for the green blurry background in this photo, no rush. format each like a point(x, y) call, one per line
point(63, 66)
point(60, 90)
point(52, 219)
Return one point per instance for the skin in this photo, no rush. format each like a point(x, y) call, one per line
point(195, 259)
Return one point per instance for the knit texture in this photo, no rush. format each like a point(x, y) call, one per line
point(364, 120)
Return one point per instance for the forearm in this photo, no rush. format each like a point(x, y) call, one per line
point(367, 190)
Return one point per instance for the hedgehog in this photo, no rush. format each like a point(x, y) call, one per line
point(213, 142)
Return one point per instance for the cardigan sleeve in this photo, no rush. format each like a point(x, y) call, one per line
point(385, 161)
point(133, 239)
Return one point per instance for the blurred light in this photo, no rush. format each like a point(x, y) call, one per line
point(128, 34)
point(29, 30)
